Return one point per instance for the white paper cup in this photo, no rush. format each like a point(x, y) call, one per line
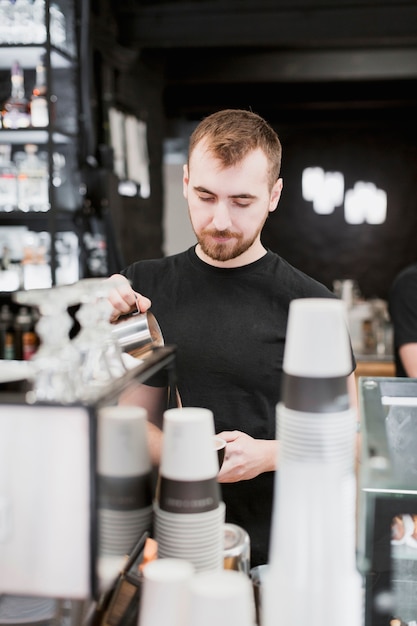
point(188, 453)
point(118, 531)
point(194, 537)
point(124, 484)
point(188, 496)
point(165, 593)
point(329, 437)
point(317, 341)
point(122, 441)
point(123, 464)
point(190, 520)
point(224, 598)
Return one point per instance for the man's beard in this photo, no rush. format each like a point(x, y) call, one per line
point(231, 249)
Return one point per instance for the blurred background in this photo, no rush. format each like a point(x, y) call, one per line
point(336, 79)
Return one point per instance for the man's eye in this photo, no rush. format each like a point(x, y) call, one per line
point(206, 198)
point(241, 205)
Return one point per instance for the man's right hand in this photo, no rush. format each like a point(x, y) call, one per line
point(124, 299)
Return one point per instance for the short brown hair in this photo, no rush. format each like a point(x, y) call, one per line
point(231, 134)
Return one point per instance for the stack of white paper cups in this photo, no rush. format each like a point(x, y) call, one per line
point(223, 598)
point(188, 511)
point(312, 577)
point(124, 479)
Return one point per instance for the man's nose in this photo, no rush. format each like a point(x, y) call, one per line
point(221, 217)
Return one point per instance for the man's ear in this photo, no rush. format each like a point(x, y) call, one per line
point(276, 194)
point(185, 180)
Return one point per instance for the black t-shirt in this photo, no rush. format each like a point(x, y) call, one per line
point(403, 311)
point(229, 326)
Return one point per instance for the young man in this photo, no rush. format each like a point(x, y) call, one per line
point(224, 304)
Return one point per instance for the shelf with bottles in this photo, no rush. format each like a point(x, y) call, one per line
point(39, 63)
point(25, 258)
point(39, 103)
point(38, 22)
point(39, 141)
point(30, 183)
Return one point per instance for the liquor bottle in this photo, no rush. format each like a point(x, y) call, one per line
point(7, 348)
point(39, 115)
point(8, 180)
point(32, 179)
point(15, 111)
point(26, 340)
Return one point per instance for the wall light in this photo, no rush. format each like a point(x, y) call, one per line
point(365, 203)
point(326, 190)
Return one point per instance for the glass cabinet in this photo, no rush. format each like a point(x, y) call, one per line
point(387, 528)
point(40, 190)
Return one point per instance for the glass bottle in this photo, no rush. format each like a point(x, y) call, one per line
point(32, 179)
point(8, 180)
point(7, 349)
point(26, 340)
point(57, 25)
point(9, 25)
point(38, 26)
point(15, 111)
point(39, 114)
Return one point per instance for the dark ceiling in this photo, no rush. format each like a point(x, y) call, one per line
point(282, 58)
